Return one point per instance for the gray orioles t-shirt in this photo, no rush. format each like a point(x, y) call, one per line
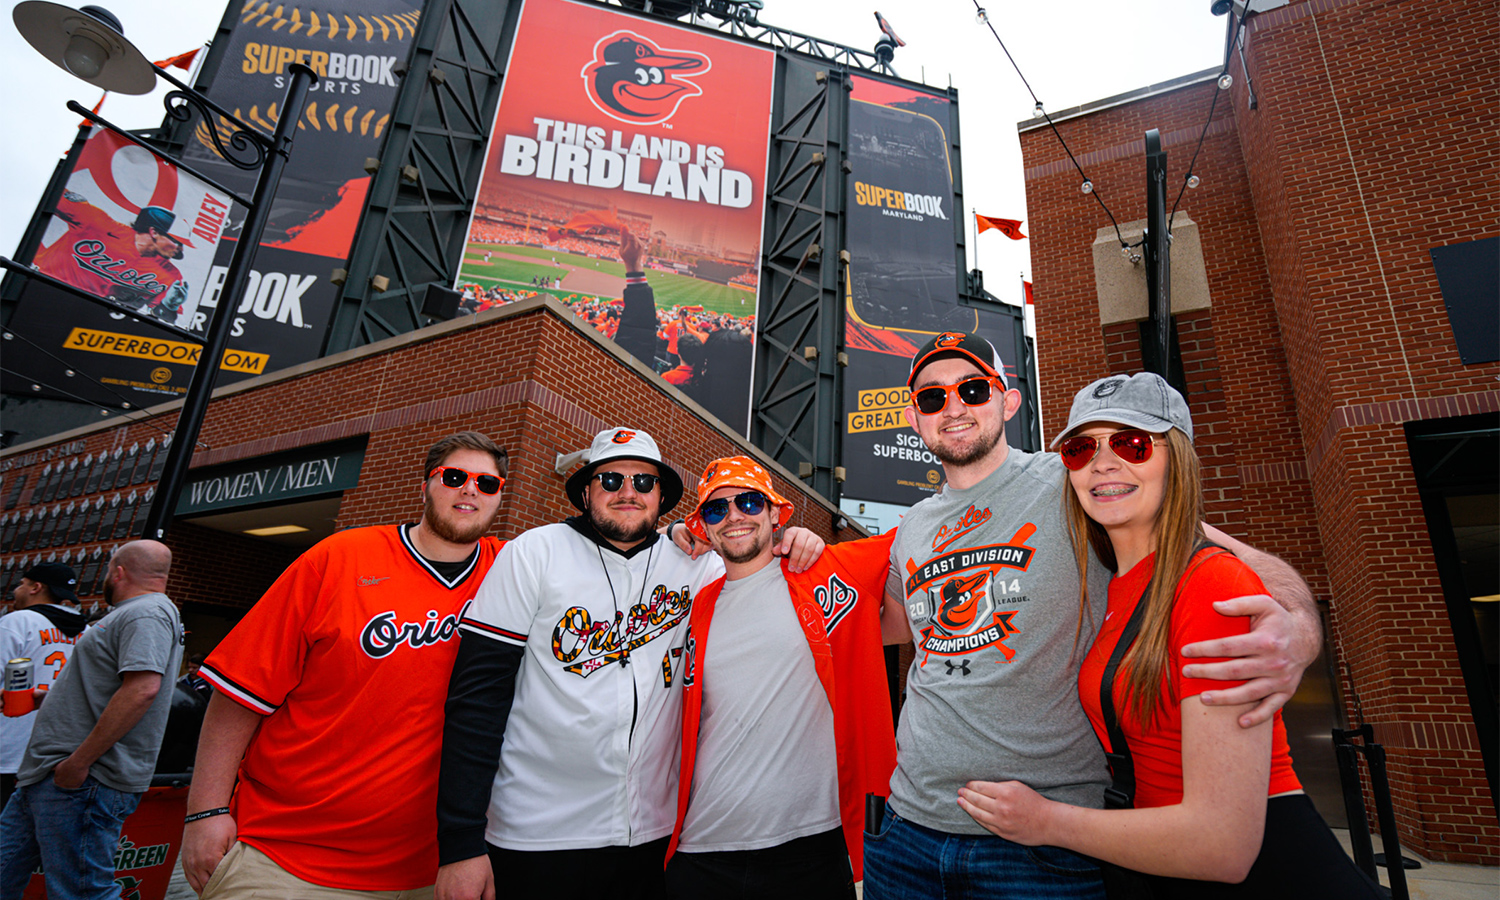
point(991, 593)
point(142, 634)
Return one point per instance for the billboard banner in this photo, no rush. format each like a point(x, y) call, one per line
point(72, 349)
point(626, 177)
point(902, 284)
point(133, 229)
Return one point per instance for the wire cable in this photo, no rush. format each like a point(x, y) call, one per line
point(984, 17)
point(1234, 32)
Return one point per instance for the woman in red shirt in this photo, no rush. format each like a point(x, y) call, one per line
point(1194, 793)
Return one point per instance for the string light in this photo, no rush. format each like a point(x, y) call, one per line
point(1194, 181)
point(1039, 111)
point(981, 17)
point(1087, 187)
point(1226, 81)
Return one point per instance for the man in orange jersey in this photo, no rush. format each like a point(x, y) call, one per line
point(130, 264)
point(334, 683)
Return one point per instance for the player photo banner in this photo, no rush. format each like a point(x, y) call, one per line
point(133, 229)
point(902, 284)
point(70, 349)
point(625, 144)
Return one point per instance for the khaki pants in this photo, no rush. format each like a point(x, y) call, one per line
point(245, 873)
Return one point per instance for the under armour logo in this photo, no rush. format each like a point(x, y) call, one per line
point(961, 666)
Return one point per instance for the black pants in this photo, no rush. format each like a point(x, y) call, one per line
point(1299, 857)
point(620, 873)
point(810, 868)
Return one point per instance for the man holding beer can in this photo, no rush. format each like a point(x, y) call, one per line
point(37, 640)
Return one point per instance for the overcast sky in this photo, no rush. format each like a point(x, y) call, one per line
point(1071, 51)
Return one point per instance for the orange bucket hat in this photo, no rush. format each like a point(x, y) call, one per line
point(735, 471)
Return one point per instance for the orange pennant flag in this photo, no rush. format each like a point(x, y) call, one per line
point(183, 61)
point(1030, 299)
point(1011, 228)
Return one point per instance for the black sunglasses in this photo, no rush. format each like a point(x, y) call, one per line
point(455, 477)
point(973, 392)
point(751, 503)
point(643, 482)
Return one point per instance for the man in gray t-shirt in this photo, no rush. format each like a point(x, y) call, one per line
point(93, 747)
point(985, 583)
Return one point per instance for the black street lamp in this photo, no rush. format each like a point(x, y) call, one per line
point(89, 44)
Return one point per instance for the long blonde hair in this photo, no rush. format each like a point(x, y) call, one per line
point(1178, 529)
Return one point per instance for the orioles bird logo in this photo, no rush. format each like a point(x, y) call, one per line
point(634, 80)
point(961, 602)
point(948, 339)
point(622, 437)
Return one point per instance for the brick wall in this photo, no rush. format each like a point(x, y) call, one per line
point(1372, 142)
point(529, 376)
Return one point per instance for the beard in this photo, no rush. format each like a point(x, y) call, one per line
point(752, 550)
point(623, 532)
point(963, 456)
point(449, 531)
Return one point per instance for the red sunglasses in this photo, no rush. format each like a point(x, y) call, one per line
point(1131, 445)
point(455, 477)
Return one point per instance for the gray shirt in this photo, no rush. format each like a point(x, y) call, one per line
point(766, 771)
point(991, 595)
point(142, 634)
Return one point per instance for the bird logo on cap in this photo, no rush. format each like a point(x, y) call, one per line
point(623, 437)
point(948, 339)
point(633, 79)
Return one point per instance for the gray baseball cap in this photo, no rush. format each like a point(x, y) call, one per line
point(1143, 400)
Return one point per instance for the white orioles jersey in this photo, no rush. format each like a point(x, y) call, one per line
point(591, 746)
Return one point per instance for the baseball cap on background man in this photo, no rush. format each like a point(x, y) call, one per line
point(741, 472)
point(60, 579)
point(1143, 400)
point(613, 444)
point(953, 343)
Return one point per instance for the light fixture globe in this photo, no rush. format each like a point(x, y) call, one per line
point(87, 43)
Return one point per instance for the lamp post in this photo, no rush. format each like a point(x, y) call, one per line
point(89, 44)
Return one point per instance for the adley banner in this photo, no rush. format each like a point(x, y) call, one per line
point(628, 145)
point(355, 47)
point(902, 284)
point(135, 230)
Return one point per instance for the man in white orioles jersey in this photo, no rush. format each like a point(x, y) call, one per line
point(564, 711)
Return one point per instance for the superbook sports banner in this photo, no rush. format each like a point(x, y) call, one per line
point(902, 284)
point(621, 144)
point(355, 47)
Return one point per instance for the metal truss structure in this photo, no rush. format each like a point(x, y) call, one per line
point(798, 363)
point(416, 218)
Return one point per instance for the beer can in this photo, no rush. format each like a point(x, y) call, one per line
point(19, 679)
point(18, 674)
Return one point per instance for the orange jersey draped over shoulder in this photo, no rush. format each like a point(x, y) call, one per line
point(838, 605)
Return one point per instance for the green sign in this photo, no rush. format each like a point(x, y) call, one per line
point(294, 475)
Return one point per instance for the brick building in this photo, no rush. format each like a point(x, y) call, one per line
point(1346, 400)
point(349, 432)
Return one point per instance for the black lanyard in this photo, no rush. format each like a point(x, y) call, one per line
point(1121, 793)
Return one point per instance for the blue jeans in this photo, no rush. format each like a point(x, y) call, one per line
point(907, 861)
point(73, 834)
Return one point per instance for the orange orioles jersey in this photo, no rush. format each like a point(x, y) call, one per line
point(98, 255)
point(348, 656)
point(838, 605)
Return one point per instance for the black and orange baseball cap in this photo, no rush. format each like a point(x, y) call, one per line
point(955, 343)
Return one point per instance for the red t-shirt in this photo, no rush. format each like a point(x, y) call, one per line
point(1157, 750)
point(348, 657)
